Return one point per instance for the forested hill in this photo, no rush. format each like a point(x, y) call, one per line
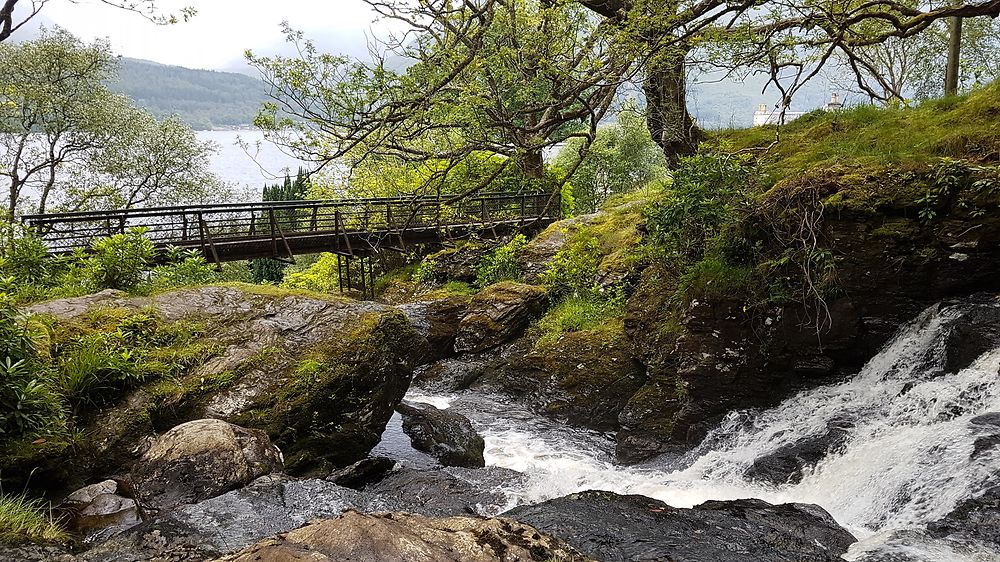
point(205, 99)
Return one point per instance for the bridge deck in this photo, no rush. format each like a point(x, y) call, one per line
point(283, 229)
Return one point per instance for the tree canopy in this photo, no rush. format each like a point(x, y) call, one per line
point(514, 77)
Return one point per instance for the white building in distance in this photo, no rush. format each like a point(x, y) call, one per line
point(773, 116)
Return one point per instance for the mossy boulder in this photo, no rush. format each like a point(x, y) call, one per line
point(584, 377)
point(319, 374)
point(498, 314)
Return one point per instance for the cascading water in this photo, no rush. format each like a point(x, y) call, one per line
point(907, 456)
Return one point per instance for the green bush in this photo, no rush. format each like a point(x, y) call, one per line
point(23, 254)
point(574, 268)
point(186, 268)
point(501, 264)
point(119, 261)
point(707, 194)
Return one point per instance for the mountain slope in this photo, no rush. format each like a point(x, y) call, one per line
point(204, 99)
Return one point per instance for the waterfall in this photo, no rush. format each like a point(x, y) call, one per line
point(907, 428)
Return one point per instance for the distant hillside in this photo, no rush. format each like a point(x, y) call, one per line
point(205, 99)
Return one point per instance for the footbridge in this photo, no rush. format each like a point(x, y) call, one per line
point(281, 230)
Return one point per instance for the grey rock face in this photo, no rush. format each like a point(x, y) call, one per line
point(499, 314)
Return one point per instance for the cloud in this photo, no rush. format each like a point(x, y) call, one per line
point(223, 29)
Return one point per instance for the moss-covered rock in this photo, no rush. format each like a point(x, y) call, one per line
point(321, 375)
point(583, 377)
point(499, 314)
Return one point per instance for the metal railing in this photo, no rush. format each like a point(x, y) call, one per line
point(334, 224)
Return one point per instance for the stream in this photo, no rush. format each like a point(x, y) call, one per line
point(907, 458)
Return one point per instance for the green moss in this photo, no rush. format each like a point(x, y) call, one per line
point(715, 279)
point(877, 138)
point(898, 229)
point(314, 414)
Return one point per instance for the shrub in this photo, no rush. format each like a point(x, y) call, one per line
point(25, 520)
point(707, 194)
point(501, 264)
point(322, 276)
point(119, 261)
point(27, 404)
point(186, 268)
point(23, 254)
point(574, 267)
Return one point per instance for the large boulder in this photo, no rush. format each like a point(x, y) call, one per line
point(607, 526)
point(447, 436)
point(201, 459)
point(437, 321)
point(498, 314)
point(321, 375)
point(585, 378)
point(786, 464)
point(402, 537)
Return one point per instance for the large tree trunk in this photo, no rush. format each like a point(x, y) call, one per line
point(668, 119)
point(532, 164)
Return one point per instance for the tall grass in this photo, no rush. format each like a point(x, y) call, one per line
point(26, 520)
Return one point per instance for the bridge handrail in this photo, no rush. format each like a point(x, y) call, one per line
point(118, 214)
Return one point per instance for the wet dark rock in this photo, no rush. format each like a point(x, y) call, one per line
point(975, 519)
point(989, 425)
point(498, 314)
point(787, 463)
point(446, 435)
point(446, 491)
point(437, 322)
point(34, 553)
point(394, 537)
point(611, 527)
point(451, 375)
point(201, 459)
point(100, 511)
point(227, 523)
point(584, 378)
point(362, 473)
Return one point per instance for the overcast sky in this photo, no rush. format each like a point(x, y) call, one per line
point(223, 29)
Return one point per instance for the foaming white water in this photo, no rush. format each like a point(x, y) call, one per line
point(906, 459)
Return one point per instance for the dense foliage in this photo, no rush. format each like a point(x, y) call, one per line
point(622, 158)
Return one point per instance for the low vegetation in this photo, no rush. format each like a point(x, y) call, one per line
point(26, 520)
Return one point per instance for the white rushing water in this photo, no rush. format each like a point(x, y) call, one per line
point(907, 460)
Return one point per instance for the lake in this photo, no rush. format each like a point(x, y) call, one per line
point(249, 172)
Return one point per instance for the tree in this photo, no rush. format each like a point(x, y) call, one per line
point(268, 270)
point(513, 77)
point(902, 68)
point(66, 141)
point(500, 77)
point(622, 158)
point(10, 22)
